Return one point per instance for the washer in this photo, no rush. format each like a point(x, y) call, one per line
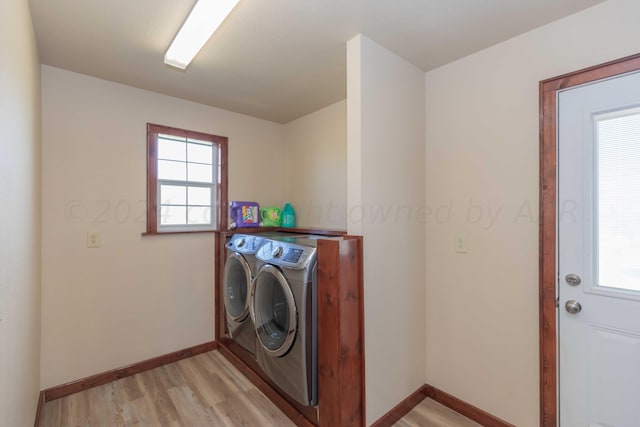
point(239, 270)
point(284, 312)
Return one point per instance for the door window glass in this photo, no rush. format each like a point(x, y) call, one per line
point(618, 199)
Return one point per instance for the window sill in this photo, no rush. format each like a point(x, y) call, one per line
point(161, 233)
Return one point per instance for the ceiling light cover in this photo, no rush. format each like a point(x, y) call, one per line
point(204, 19)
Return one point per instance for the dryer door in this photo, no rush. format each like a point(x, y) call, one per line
point(236, 287)
point(273, 309)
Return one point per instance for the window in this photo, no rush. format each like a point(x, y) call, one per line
point(186, 180)
point(618, 208)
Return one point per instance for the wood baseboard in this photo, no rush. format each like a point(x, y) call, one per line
point(464, 408)
point(402, 408)
point(39, 409)
point(451, 402)
point(126, 371)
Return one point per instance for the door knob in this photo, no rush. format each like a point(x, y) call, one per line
point(573, 306)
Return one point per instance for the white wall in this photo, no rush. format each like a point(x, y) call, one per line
point(19, 216)
point(385, 97)
point(137, 296)
point(482, 179)
point(315, 158)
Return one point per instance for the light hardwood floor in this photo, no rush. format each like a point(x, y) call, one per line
point(204, 390)
point(430, 413)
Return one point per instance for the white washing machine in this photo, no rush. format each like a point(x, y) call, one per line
point(239, 270)
point(284, 312)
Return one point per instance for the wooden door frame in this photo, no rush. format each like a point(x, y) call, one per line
point(548, 195)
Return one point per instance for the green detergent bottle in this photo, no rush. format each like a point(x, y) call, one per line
point(288, 216)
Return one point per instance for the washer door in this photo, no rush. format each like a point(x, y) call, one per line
point(236, 287)
point(273, 309)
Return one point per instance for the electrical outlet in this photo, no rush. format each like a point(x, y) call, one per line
point(460, 244)
point(93, 239)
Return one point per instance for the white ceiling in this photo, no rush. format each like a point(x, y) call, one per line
point(274, 59)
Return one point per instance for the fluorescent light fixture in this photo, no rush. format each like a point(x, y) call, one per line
point(204, 19)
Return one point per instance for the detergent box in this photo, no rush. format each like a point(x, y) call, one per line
point(244, 214)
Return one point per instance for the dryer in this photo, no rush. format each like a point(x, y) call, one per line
point(284, 312)
point(239, 270)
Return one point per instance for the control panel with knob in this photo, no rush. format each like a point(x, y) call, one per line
point(286, 254)
point(245, 243)
point(277, 252)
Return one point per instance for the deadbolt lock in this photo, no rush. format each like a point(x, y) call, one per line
point(572, 279)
